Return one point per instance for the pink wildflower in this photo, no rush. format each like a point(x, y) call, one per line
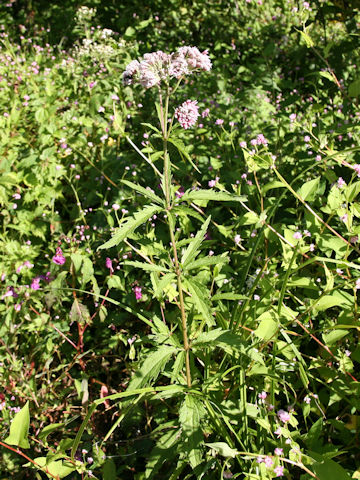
point(278, 451)
point(341, 182)
point(35, 284)
point(205, 113)
point(108, 264)
point(262, 395)
point(138, 294)
point(59, 258)
point(356, 167)
point(279, 470)
point(268, 461)
point(219, 121)
point(187, 113)
point(297, 235)
point(283, 416)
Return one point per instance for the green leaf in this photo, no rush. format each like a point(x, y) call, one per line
point(327, 469)
point(223, 449)
point(309, 189)
point(182, 150)
point(130, 225)
point(144, 191)
point(325, 302)
point(306, 37)
point(224, 339)
point(178, 365)
point(45, 432)
point(205, 261)
point(109, 470)
point(328, 76)
point(57, 465)
point(267, 328)
point(163, 283)
point(199, 296)
point(79, 313)
point(194, 195)
point(271, 185)
point(354, 88)
point(152, 367)
point(192, 249)
point(146, 266)
point(334, 336)
point(190, 414)
point(19, 428)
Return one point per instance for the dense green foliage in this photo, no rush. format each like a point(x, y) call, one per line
point(179, 303)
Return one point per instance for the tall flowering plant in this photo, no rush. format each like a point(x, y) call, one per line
point(183, 361)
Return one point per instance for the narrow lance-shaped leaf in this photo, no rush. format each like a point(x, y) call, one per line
point(199, 298)
point(163, 283)
point(152, 366)
point(144, 191)
point(146, 266)
point(205, 261)
point(19, 428)
point(192, 250)
point(190, 414)
point(130, 225)
point(194, 195)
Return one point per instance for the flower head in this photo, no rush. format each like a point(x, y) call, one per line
point(283, 416)
point(187, 113)
point(59, 258)
point(279, 470)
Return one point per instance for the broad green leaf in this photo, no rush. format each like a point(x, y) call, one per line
point(164, 451)
point(223, 449)
point(194, 195)
point(325, 302)
point(306, 37)
point(352, 191)
point(192, 250)
point(57, 465)
point(19, 428)
point(152, 367)
point(205, 261)
point(308, 191)
point(130, 225)
point(146, 266)
point(267, 328)
point(327, 469)
point(87, 270)
point(190, 414)
point(199, 296)
point(79, 313)
point(109, 470)
point(271, 185)
point(249, 218)
point(163, 283)
point(354, 88)
point(144, 191)
point(334, 336)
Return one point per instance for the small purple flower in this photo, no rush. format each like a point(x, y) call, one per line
point(219, 121)
point(268, 461)
point(108, 264)
point(279, 451)
point(138, 294)
point(205, 113)
point(59, 258)
point(297, 235)
point(262, 395)
point(35, 284)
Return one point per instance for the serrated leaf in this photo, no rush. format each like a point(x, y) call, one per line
point(144, 191)
point(146, 266)
point(151, 127)
point(223, 449)
point(190, 414)
point(199, 297)
point(178, 365)
point(19, 428)
point(205, 261)
point(192, 249)
point(224, 339)
point(130, 225)
point(163, 283)
point(151, 368)
point(194, 195)
point(79, 312)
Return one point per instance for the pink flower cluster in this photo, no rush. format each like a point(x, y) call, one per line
point(154, 67)
point(59, 258)
point(187, 113)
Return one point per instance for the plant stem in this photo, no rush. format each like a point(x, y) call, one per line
point(167, 167)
